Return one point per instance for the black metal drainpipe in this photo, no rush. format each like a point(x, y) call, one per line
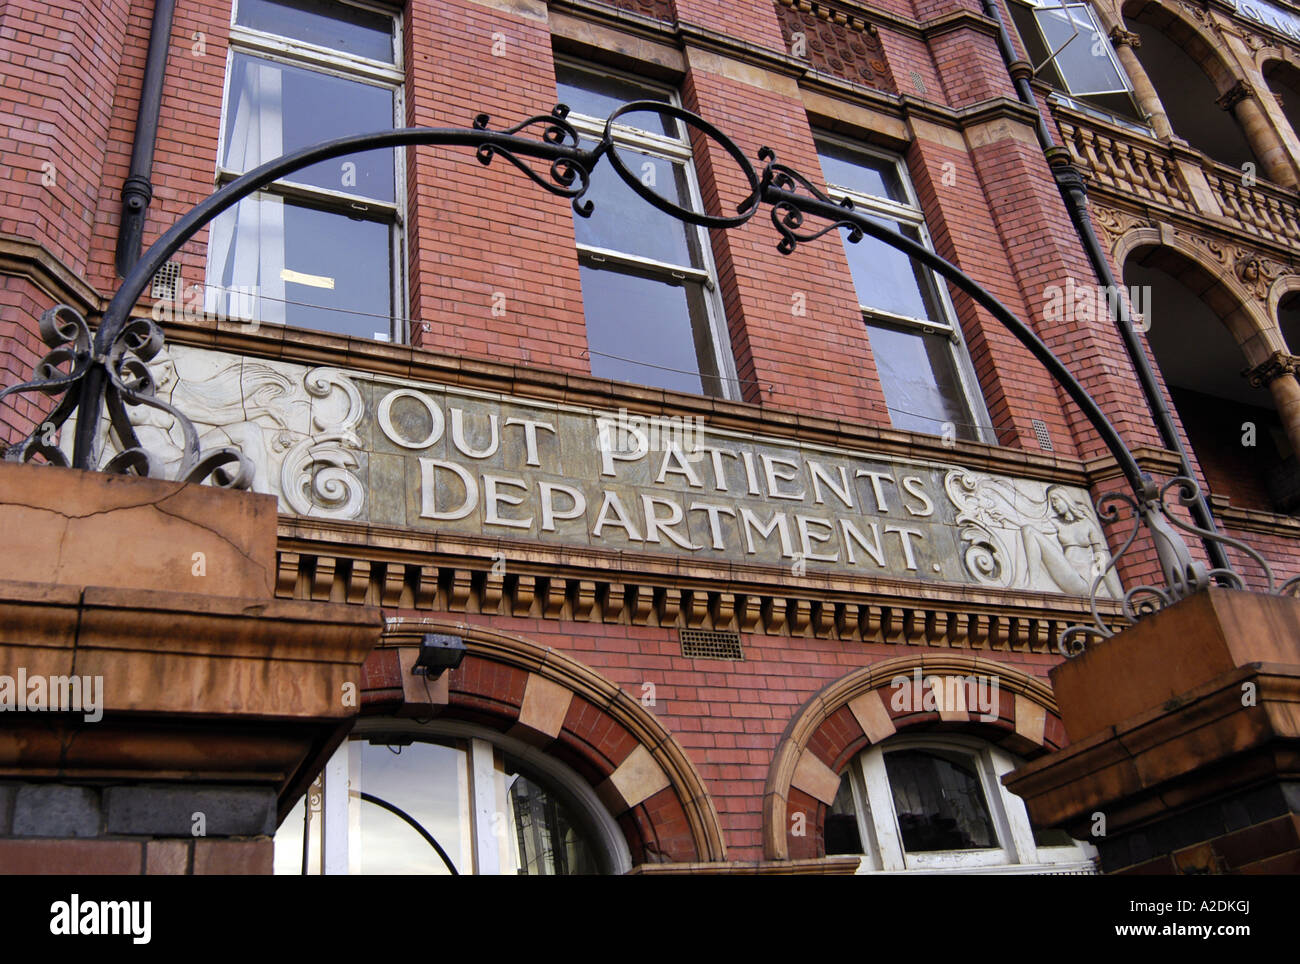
point(137, 190)
point(1075, 196)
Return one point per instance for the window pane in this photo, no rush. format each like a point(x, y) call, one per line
point(544, 836)
point(648, 331)
point(274, 109)
point(887, 279)
point(598, 96)
point(919, 376)
point(939, 802)
point(1032, 37)
point(1085, 63)
point(863, 173)
point(622, 221)
point(301, 266)
point(430, 783)
point(326, 24)
point(288, 843)
point(842, 833)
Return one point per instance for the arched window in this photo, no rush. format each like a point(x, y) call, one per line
point(426, 798)
point(934, 804)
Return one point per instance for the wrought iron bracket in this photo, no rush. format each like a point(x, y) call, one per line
point(100, 377)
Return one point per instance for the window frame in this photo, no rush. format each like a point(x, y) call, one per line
point(674, 150)
point(1063, 93)
point(908, 214)
point(1017, 852)
point(279, 49)
point(1067, 7)
point(335, 840)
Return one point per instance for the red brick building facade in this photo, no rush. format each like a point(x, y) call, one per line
point(652, 683)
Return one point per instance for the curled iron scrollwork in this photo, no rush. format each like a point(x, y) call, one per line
point(1183, 575)
point(569, 176)
point(786, 215)
point(126, 382)
point(100, 378)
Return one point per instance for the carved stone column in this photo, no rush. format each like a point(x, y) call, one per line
point(1242, 100)
point(1278, 373)
point(1125, 42)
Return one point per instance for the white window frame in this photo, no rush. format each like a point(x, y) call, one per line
point(1067, 96)
point(1016, 852)
point(1068, 7)
point(672, 149)
point(910, 215)
point(336, 63)
point(337, 839)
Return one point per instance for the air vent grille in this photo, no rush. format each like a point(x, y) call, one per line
point(166, 281)
point(1044, 437)
point(709, 644)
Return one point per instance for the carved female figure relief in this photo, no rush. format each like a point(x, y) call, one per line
point(1019, 539)
point(1068, 547)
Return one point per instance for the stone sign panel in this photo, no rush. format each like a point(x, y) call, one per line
point(350, 445)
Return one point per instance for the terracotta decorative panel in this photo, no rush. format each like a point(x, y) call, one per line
point(835, 42)
point(657, 9)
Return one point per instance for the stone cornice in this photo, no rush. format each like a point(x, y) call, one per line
point(1137, 213)
point(1239, 518)
point(961, 19)
point(185, 661)
point(26, 259)
point(439, 573)
point(1159, 462)
point(906, 107)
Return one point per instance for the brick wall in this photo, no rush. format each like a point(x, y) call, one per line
point(990, 202)
point(56, 108)
point(479, 234)
point(729, 716)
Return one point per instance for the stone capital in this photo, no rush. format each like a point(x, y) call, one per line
point(1234, 95)
point(1274, 367)
point(1120, 37)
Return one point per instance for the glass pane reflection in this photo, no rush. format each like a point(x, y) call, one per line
point(431, 783)
point(841, 834)
point(919, 378)
point(532, 830)
point(648, 331)
point(335, 25)
point(939, 801)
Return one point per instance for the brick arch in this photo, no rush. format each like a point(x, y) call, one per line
point(508, 683)
point(1269, 60)
point(859, 710)
point(1220, 289)
point(1282, 287)
point(1198, 40)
